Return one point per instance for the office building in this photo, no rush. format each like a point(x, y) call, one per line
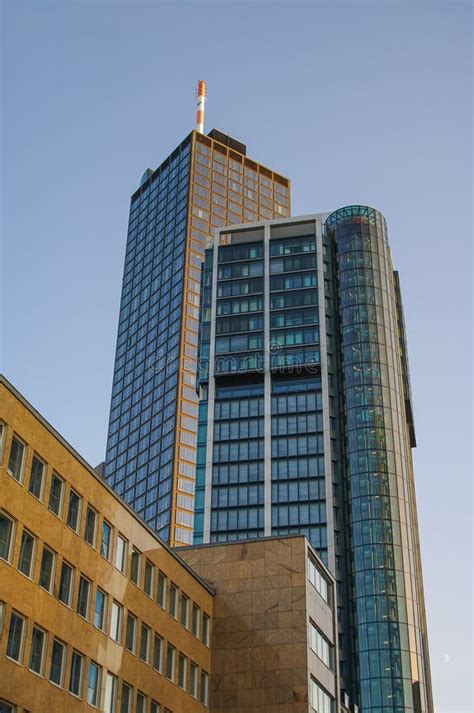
point(274, 641)
point(206, 182)
point(305, 426)
point(98, 613)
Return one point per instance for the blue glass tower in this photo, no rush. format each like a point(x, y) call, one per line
point(206, 182)
point(305, 425)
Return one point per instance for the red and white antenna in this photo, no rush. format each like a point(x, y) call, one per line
point(201, 100)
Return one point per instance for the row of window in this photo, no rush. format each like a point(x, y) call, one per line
point(292, 282)
point(68, 668)
point(240, 269)
point(288, 319)
point(168, 595)
point(290, 246)
point(236, 288)
point(128, 559)
point(239, 324)
point(238, 429)
point(254, 361)
point(238, 408)
point(320, 701)
point(238, 519)
point(239, 343)
point(237, 253)
point(253, 304)
point(298, 514)
point(298, 490)
point(320, 645)
point(292, 264)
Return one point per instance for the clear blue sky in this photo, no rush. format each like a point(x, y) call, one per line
point(357, 102)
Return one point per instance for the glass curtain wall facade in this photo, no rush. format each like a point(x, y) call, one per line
point(305, 425)
point(260, 317)
point(390, 626)
point(207, 182)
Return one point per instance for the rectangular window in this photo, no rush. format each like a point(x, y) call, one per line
point(75, 677)
point(135, 567)
point(193, 679)
point(6, 707)
point(196, 617)
point(149, 577)
point(17, 459)
point(100, 612)
point(56, 495)
point(110, 703)
point(130, 633)
point(16, 637)
point(106, 544)
point(320, 701)
point(205, 629)
point(318, 580)
point(161, 596)
point(83, 597)
point(66, 584)
point(27, 554)
point(145, 643)
point(121, 554)
point(58, 660)
point(93, 684)
point(170, 662)
point(2, 616)
point(46, 578)
point(173, 609)
point(127, 696)
point(320, 645)
point(155, 707)
point(90, 527)
point(204, 690)
point(6, 536)
point(74, 511)
point(38, 645)
point(184, 611)
point(158, 654)
point(116, 621)
point(141, 702)
point(182, 666)
point(3, 430)
point(35, 485)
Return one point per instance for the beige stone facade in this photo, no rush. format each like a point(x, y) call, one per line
point(264, 608)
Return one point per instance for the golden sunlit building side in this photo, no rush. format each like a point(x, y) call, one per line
point(95, 610)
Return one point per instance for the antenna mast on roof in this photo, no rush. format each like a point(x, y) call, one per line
point(201, 100)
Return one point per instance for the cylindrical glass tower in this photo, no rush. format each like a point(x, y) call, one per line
point(390, 630)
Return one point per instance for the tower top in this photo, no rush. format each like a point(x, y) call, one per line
point(201, 99)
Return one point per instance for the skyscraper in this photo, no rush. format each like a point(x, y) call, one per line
point(305, 425)
point(207, 181)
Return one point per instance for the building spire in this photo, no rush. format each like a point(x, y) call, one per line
point(201, 99)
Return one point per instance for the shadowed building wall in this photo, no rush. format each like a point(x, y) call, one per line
point(273, 625)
